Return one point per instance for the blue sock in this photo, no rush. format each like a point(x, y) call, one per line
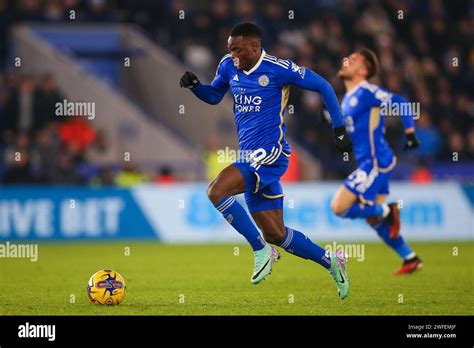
point(300, 245)
point(398, 244)
point(366, 211)
point(235, 214)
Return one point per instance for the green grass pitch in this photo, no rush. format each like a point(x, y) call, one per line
point(214, 281)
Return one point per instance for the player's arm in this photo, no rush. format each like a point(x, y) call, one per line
point(211, 94)
point(307, 79)
point(411, 141)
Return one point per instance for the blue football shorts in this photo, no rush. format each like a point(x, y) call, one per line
point(368, 181)
point(262, 173)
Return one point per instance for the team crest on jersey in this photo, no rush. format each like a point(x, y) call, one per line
point(353, 101)
point(263, 80)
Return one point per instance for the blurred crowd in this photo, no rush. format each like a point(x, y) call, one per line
point(37, 146)
point(425, 49)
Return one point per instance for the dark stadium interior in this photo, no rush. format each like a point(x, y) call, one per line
point(421, 58)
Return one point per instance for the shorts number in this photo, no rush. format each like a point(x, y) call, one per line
point(258, 155)
point(357, 177)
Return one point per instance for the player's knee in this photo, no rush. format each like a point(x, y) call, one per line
point(337, 207)
point(215, 192)
point(273, 235)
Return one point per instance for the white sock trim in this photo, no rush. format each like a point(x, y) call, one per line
point(288, 239)
point(410, 256)
point(386, 210)
point(227, 203)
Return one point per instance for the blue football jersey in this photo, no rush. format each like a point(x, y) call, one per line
point(363, 121)
point(260, 97)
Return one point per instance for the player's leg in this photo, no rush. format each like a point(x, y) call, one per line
point(295, 242)
point(356, 198)
point(275, 232)
point(411, 262)
point(254, 180)
point(346, 204)
point(221, 193)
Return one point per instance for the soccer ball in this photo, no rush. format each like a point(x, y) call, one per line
point(106, 287)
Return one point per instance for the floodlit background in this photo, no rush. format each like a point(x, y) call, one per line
point(94, 191)
point(83, 177)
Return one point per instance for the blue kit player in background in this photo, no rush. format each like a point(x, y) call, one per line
point(364, 192)
point(260, 84)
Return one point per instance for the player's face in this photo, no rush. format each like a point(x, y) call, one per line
point(244, 50)
point(352, 67)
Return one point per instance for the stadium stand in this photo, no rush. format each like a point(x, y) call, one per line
point(421, 58)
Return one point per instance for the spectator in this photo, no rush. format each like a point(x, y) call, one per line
point(64, 171)
point(421, 174)
point(19, 108)
point(129, 176)
point(30, 10)
point(456, 147)
point(6, 18)
point(213, 162)
point(164, 176)
point(105, 178)
point(292, 174)
point(47, 144)
point(54, 11)
point(430, 140)
point(470, 144)
point(19, 170)
point(46, 97)
point(77, 134)
point(426, 57)
point(100, 152)
point(18, 144)
point(98, 11)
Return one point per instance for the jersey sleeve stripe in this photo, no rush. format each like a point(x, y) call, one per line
point(225, 57)
point(220, 62)
point(277, 63)
point(276, 60)
point(284, 61)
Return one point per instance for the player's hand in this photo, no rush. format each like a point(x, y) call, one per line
point(189, 80)
point(342, 139)
point(411, 141)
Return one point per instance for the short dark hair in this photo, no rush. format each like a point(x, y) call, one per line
point(370, 60)
point(247, 29)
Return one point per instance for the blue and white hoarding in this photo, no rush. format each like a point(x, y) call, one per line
point(181, 213)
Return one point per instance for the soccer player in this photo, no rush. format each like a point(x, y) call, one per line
point(260, 85)
point(364, 192)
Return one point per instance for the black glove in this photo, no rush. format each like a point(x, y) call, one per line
point(342, 139)
point(189, 80)
point(411, 141)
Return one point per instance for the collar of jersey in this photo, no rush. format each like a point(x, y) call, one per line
point(355, 88)
point(255, 67)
